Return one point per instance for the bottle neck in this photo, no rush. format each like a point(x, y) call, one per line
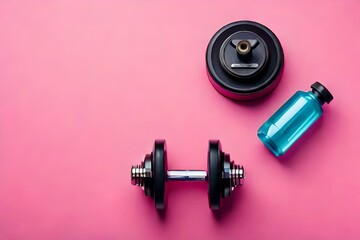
point(317, 98)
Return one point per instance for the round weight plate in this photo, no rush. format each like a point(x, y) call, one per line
point(159, 173)
point(148, 181)
point(214, 174)
point(226, 178)
point(238, 73)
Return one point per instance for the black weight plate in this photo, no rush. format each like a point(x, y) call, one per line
point(148, 181)
point(226, 180)
point(245, 83)
point(159, 164)
point(214, 174)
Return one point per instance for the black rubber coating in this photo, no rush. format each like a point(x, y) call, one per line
point(241, 78)
point(226, 182)
point(322, 93)
point(159, 173)
point(214, 174)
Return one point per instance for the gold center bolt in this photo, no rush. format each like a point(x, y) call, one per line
point(243, 47)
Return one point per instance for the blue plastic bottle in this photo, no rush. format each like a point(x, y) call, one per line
point(292, 120)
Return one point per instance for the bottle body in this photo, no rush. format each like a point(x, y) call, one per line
point(290, 122)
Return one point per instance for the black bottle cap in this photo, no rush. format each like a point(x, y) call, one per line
point(322, 93)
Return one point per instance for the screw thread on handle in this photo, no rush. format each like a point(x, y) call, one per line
point(137, 175)
point(236, 175)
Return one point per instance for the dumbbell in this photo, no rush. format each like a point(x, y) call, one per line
point(222, 174)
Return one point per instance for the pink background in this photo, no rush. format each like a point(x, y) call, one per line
point(86, 87)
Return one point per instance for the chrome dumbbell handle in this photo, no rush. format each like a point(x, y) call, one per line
point(138, 173)
point(186, 175)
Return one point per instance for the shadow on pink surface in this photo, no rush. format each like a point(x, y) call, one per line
point(229, 205)
point(174, 189)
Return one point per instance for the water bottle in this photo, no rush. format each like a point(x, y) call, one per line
point(293, 119)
